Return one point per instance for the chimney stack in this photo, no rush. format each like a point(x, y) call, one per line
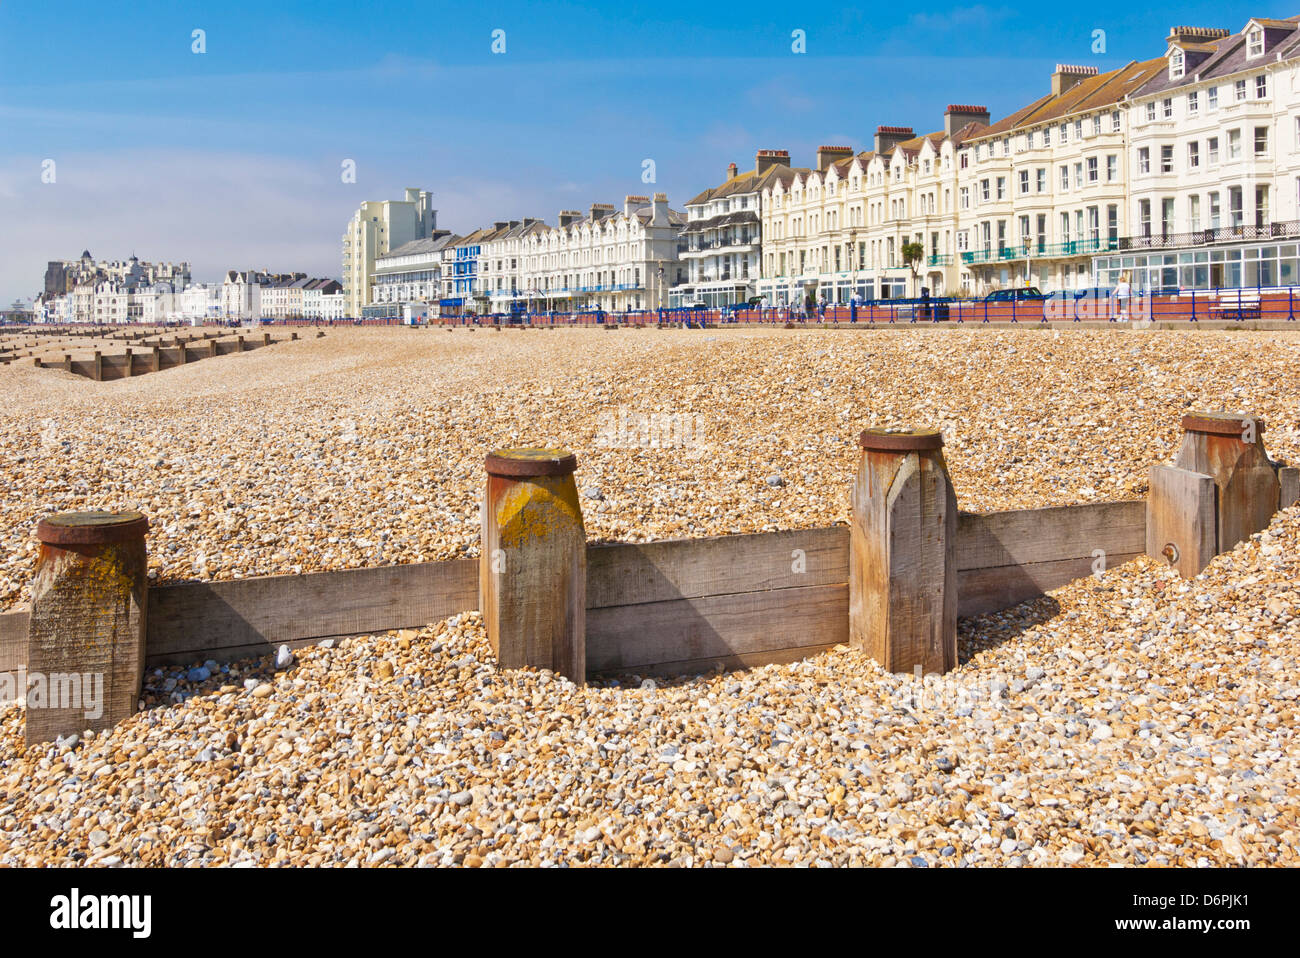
point(1067, 76)
point(632, 203)
point(601, 209)
point(888, 137)
point(764, 160)
point(826, 155)
point(731, 171)
point(660, 210)
point(1195, 35)
point(568, 217)
point(958, 115)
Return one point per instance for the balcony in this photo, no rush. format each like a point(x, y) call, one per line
point(939, 259)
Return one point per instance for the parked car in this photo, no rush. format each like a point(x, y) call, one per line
point(1023, 294)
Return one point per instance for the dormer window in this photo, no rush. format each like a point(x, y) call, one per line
point(1177, 65)
point(1255, 43)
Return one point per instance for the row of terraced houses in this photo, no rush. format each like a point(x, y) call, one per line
point(1182, 171)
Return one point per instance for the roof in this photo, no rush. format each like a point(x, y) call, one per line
point(748, 182)
point(1229, 56)
point(1090, 93)
point(430, 244)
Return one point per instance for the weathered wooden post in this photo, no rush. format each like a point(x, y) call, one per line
point(1229, 447)
point(99, 366)
point(86, 634)
point(1221, 489)
point(157, 358)
point(903, 552)
point(182, 352)
point(266, 339)
point(240, 348)
point(212, 347)
point(126, 366)
point(533, 568)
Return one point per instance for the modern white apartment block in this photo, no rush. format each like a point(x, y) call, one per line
point(375, 229)
point(611, 260)
point(723, 235)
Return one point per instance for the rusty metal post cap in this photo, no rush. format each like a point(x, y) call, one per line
point(530, 463)
point(91, 528)
point(1220, 423)
point(901, 440)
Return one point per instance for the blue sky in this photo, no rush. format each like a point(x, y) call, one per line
point(232, 158)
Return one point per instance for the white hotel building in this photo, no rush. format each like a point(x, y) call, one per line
point(1182, 170)
point(608, 260)
point(1214, 154)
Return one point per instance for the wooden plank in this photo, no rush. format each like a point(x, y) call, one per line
point(1000, 587)
point(1288, 478)
point(203, 617)
point(1182, 518)
point(1022, 536)
point(723, 627)
point(632, 573)
point(13, 640)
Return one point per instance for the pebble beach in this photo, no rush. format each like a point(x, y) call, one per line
point(1137, 718)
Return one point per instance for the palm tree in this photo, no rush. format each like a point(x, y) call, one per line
point(913, 254)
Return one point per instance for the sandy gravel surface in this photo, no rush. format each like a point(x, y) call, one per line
point(1136, 719)
point(366, 447)
point(1139, 719)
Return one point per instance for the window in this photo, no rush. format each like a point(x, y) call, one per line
point(1151, 111)
point(1096, 125)
point(1042, 231)
point(1065, 227)
point(1144, 217)
point(1261, 206)
point(1176, 65)
point(1254, 43)
point(1002, 187)
point(1112, 225)
point(1065, 179)
point(1234, 144)
point(984, 191)
point(1239, 89)
point(1114, 122)
point(1193, 154)
point(1094, 175)
point(1166, 216)
point(1166, 159)
point(1024, 229)
point(1212, 98)
point(1214, 211)
point(1169, 108)
point(1144, 160)
point(1194, 102)
point(1024, 181)
point(1193, 213)
point(1065, 133)
point(963, 197)
point(1047, 136)
point(1078, 176)
point(1112, 167)
point(1234, 206)
point(965, 159)
point(1261, 141)
point(1078, 130)
point(1212, 151)
point(979, 152)
point(1261, 86)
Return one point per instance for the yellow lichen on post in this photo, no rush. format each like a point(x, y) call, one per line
point(86, 634)
point(533, 567)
